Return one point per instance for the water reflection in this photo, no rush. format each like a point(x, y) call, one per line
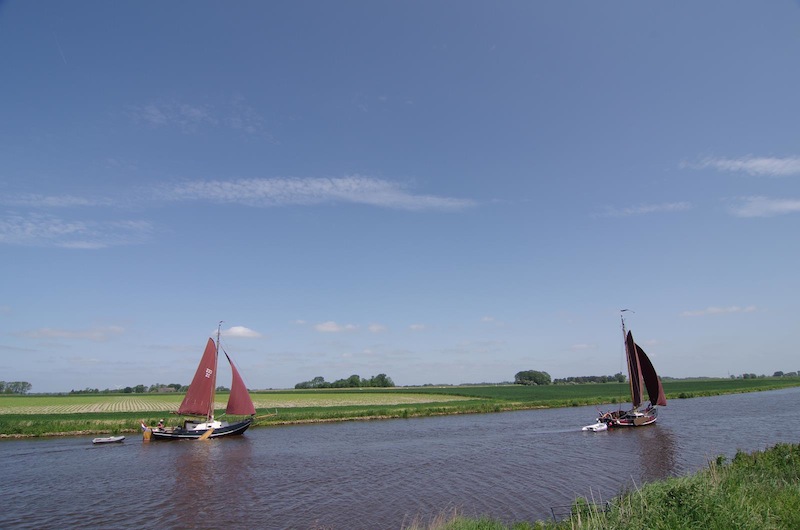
point(207, 478)
point(657, 453)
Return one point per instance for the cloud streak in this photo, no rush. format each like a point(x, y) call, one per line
point(36, 229)
point(187, 118)
point(192, 118)
point(356, 189)
point(34, 200)
point(764, 207)
point(756, 166)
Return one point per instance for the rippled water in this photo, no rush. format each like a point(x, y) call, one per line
point(377, 474)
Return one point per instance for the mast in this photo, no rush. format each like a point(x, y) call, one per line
point(210, 416)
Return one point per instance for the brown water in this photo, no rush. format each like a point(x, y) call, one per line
point(377, 474)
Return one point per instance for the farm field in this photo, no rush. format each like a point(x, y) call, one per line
point(41, 415)
point(78, 404)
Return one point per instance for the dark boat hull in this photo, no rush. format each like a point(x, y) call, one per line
point(630, 418)
point(178, 433)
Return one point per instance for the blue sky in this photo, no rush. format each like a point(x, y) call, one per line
point(445, 192)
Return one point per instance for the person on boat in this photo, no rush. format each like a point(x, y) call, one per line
point(160, 424)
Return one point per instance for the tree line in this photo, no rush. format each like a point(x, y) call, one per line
point(779, 373)
point(138, 389)
point(15, 387)
point(619, 377)
point(535, 377)
point(354, 381)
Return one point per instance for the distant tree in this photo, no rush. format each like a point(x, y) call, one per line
point(354, 381)
point(532, 377)
point(15, 387)
point(140, 389)
point(381, 380)
point(778, 374)
point(223, 389)
point(317, 382)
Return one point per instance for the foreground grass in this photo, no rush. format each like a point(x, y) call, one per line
point(754, 491)
point(42, 415)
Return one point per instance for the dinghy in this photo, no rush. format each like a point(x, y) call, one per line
point(108, 440)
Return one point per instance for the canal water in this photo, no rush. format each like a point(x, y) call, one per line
point(377, 474)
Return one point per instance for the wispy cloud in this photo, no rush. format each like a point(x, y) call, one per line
point(188, 118)
point(332, 327)
point(764, 207)
point(36, 229)
point(99, 334)
point(377, 328)
point(35, 200)
point(243, 117)
point(644, 209)
point(262, 192)
point(719, 311)
point(752, 165)
point(492, 321)
point(192, 118)
point(417, 327)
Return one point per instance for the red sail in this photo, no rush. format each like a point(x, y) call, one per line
point(239, 402)
point(199, 398)
point(654, 389)
point(634, 371)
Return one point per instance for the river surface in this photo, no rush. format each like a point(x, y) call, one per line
point(377, 474)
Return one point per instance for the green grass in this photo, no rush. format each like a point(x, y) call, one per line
point(112, 413)
point(755, 491)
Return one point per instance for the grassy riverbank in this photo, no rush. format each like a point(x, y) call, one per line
point(760, 490)
point(43, 415)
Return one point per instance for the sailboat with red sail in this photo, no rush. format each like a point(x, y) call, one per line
point(199, 402)
point(641, 377)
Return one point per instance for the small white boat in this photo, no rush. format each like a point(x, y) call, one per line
point(596, 427)
point(108, 440)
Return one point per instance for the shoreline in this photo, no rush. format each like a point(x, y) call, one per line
point(129, 422)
